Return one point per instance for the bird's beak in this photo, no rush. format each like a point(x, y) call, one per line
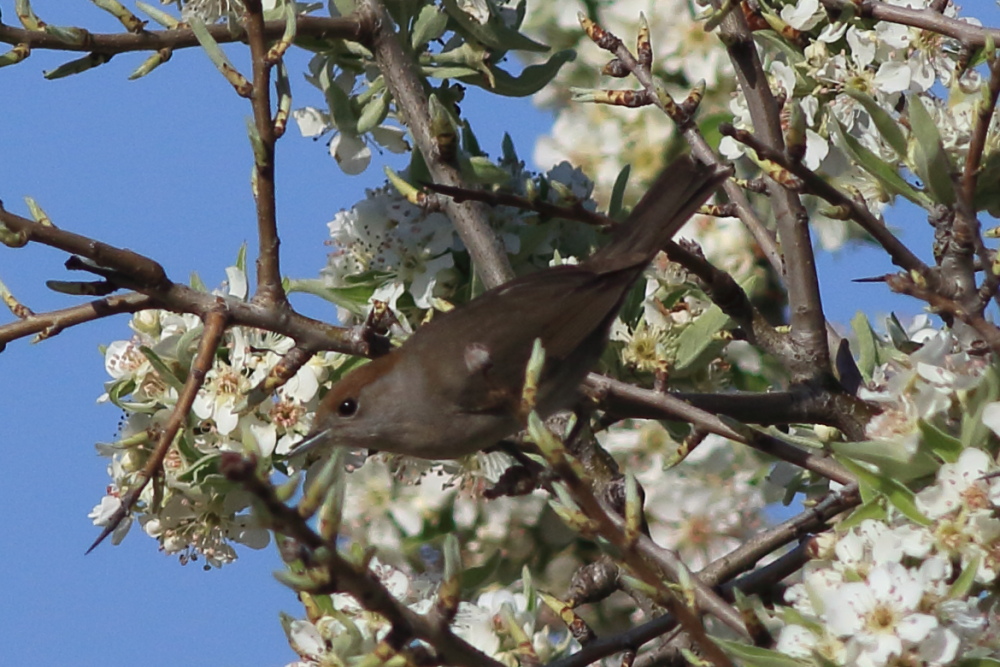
point(311, 442)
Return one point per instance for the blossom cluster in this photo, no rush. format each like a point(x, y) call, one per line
point(496, 623)
point(900, 591)
point(195, 512)
point(910, 577)
point(410, 253)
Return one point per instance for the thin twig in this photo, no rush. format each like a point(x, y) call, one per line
point(146, 276)
point(812, 520)
point(966, 208)
point(51, 323)
point(269, 287)
point(653, 564)
point(700, 148)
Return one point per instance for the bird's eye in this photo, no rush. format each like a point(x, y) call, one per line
point(347, 407)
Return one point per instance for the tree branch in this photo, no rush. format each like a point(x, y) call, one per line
point(182, 38)
point(808, 323)
point(406, 86)
point(269, 288)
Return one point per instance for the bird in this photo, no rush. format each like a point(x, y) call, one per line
point(454, 386)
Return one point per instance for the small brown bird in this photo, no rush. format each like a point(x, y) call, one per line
point(454, 386)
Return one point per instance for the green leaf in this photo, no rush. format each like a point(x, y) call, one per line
point(771, 39)
point(119, 390)
point(987, 193)
point(204, 464)
point(891, 130)
point(873, 509)
point(165, 372)
point(946, 447)
point(618, 192)
point(896, 493)
point(343, 7)
point(532, 79)
point(887, 174)
point(484, 171)
point(807, 442)
point(450, 72)
point(974, 432)
point(352, 298)
point(753, 656)
point(698, 343)
point(241, 258)
point(979, 662)
point(341, 112)
point(470, 143)
point(508, 151)
point(869, 345)
point(930, 161)
point(373, 113)
point(474, 577)
point(891, 457)
point(709, 126)
point(187, 346)
point(494, 33)
point(897, 334)
point(197, 283)
point(430, 24)
point(963, 584)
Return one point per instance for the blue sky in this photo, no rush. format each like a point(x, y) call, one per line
point(161, 166)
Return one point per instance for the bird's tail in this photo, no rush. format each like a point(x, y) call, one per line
point(676, 194)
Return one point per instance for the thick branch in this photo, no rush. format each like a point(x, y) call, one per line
point(812, 354)
point(407, 89)
point(147, 277)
